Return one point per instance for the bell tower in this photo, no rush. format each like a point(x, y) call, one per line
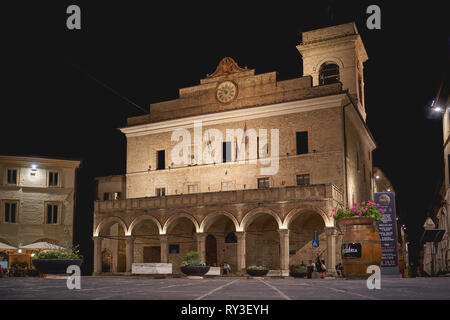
point(336, 54)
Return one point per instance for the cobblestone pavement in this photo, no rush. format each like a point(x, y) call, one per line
point(125, 288)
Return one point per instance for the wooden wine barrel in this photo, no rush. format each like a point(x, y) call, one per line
point(361, 246)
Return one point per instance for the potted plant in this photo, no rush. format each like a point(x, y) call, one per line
point(32, 273)
point(361, 245)
point(192, 265)
point(257, 271)
point(56, 261)
point(297, 270)
point(18, 268)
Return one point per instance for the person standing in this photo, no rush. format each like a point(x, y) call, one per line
point(319, 267)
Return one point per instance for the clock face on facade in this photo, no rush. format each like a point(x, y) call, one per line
point(226, 91)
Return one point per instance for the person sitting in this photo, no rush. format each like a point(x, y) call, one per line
point(226, 268)
point(340, 270)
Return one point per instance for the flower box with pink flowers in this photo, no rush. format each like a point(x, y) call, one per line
point(363, 209)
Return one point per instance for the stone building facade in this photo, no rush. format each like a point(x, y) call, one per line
point(37, 197)
point(244, 168)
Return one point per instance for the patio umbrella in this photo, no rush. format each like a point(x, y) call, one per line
point(443, 254)
point(42, 245)
point(4, 246)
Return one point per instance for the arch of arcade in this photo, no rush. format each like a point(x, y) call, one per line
point(272, 227)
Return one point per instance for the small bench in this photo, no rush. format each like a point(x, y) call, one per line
point(278, 273)
point(151, 268)
point(213, 271)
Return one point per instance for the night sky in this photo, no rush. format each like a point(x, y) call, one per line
point(55, 100)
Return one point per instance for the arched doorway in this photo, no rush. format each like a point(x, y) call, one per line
point(211, 250)
point(263, 242)
point(106, 260)
point(147, 245)
point(302, 230)
point(113, 240)
point(219, 226)
point(181, 237)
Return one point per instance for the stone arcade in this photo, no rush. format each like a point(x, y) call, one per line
point(228, 211)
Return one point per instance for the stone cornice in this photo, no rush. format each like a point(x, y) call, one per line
point(236, 115)
point(43, 162)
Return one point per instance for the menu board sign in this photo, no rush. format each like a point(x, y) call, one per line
point(387, 229)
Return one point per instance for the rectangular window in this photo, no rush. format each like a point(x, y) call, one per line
point(10, 212)
point(160, 192)
point(303, 179)
point(161, 160)
point(227, 185)
point(11, 176)
point(364, 172)
point(302, 142)
point(192, 188)
point(292, 249)
point(263, 183)
point(265, 151)
point(52, 213)
point(226, 151)
point(53, 179)
point(174, 248)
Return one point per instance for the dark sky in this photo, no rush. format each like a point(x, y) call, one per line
point(51, 106)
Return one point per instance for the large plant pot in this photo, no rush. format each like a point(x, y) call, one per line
point(361, 246)
point(296, 274)
point(257, 272)
point(195, 270)
point(55, 266)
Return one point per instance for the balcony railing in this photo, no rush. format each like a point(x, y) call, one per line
point(310, 192)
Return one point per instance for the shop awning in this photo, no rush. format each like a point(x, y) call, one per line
point(42, 245)
point(4, 246)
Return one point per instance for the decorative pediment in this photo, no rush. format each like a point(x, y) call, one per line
point(226, 66)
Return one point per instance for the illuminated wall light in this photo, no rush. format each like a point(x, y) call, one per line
point(377, 177)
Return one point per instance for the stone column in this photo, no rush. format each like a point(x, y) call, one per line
point(164, 238)
point(240, 252)
point(97, 255)
point(201, 238)
point(284, 251)
point(129, 251)
point(331, 233)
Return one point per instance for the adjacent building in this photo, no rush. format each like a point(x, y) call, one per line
point(37, 197)
point(244, 168)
